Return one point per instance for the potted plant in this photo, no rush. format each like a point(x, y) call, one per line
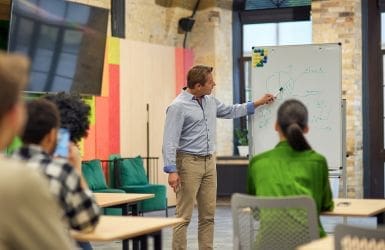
point(243, 141)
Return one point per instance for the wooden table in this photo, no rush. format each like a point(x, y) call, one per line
point(121, 200)
point(126, 228)
point(326, 243)
point(358, 208)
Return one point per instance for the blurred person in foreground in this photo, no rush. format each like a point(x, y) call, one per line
point(64, 174)
point(29, 214)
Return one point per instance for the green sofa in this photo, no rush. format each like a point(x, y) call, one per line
point(93, 174)
point(129, 175)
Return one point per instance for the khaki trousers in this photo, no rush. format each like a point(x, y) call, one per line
point(198, 177)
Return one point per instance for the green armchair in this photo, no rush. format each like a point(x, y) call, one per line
point(93, 174)
point(129, 175)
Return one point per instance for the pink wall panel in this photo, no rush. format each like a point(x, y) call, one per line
point(183, 62)
point(179, 70)
point(114, 109)
point(102, 127)
point(188, 55)
point(89, 144)
point(104, 136)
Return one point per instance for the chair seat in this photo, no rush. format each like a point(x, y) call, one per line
point(157, 203)
point(93, 174)
point(129, 174)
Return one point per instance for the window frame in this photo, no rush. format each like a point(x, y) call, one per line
point(372, 99)
point(241, 17)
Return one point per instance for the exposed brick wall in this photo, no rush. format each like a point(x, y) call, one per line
point(149, 22)
point(156, 21)
point(340, 21)
point(211, 41)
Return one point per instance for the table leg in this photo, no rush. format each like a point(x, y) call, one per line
point(139, 242)
point(135, 244)
point(125, 245)
point(143, 243)
point(134, 209)
point(157, 240)
point(125, 209)
point(380, 218)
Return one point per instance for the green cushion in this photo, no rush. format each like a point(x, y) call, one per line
point(93, 174)
point(131, 172)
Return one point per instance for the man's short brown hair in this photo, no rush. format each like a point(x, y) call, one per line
point(43, 116)
point(14, 70)
point(198, 74)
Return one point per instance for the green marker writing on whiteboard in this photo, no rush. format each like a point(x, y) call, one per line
point(279, 91)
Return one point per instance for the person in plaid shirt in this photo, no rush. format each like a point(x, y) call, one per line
point(65, 179)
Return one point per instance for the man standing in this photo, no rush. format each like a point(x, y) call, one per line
point(29, 215)
point(188, 151)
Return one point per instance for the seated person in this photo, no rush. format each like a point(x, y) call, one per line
point(292, 167)
point(74, 114)
point(65, 181)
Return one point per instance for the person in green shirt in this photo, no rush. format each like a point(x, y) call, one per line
point(292, 167)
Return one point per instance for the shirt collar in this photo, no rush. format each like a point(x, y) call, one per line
point(189, 96)
point(34, 149)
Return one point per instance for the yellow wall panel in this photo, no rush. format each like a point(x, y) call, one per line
point(113, 50)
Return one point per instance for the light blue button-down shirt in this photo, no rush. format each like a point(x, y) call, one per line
point(191, 127)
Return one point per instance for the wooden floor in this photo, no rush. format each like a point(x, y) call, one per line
point(223, 229)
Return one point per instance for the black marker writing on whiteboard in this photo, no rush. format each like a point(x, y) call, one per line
point(279, 91)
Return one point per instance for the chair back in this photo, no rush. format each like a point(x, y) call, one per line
point(111, 169)
point(93, 174)
point(129, 172)
point(273, 222)
point(349, 237)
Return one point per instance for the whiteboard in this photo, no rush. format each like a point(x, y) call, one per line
point(309, 73)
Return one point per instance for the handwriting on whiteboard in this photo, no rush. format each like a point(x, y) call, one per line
point(313, 96)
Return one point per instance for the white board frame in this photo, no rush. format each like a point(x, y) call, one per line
point(320, 63)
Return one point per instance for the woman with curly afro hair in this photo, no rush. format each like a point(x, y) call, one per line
point(74, 114)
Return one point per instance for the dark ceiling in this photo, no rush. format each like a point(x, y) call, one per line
point(227, 4)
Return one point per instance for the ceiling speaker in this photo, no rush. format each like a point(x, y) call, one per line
point(186, 23)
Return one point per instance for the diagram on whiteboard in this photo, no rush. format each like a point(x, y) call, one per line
point(311, 74)
point(291, 85)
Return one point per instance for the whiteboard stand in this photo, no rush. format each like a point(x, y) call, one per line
point(343, 160)
point(343, 177)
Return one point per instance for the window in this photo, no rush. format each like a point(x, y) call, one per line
point(270, 34)
point(264, 23)
point(373, 44)
point(268, 4)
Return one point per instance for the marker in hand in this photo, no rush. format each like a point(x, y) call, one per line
point(279, 91)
